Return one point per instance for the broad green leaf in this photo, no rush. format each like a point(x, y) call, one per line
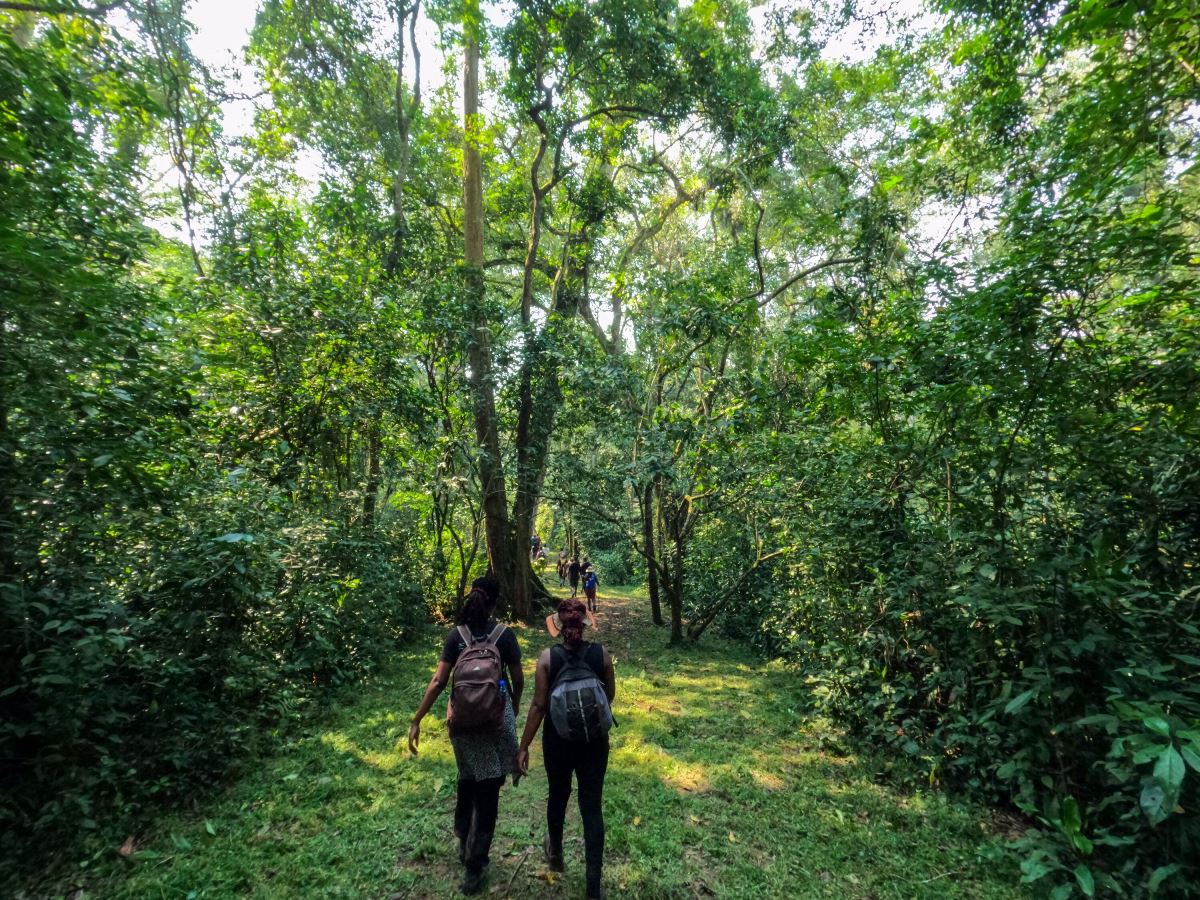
point(1152, 802)
point(1071, 819)
point(1161, 874)
point(1169, 770)
point(1018, 702)
point(1158, 725)
point(1087, 884)
point(1191, 757)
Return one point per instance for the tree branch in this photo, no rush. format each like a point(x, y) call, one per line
point(802, 274)
point(61, 10)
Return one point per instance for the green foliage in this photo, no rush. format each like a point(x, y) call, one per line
point(997, 576)
point(184, 563)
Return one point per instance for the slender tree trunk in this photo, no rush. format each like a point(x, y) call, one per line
point(675, 593)
point(403, 113)
point(671, 540)
point(497, 531)
point(648, 552)
point(374, 474)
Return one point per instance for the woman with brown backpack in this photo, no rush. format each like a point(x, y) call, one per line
point(574, 686)
point(482, 661)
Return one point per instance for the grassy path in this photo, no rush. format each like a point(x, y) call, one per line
point(719, 785)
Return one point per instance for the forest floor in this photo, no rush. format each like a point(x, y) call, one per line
point(720, 784)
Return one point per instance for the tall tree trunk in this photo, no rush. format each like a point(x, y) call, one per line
point(649, 550)
point(671, 541)
point(374, 474)
point(541, 391)
point(497, 532)
point(675, 591)
point(535, 425)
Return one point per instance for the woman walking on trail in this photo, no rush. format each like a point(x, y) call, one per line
point(573, 575)
point(485, 755)
point(583, 750)
point(554, 626)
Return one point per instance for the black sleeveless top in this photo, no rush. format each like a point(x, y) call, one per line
point(593, 658)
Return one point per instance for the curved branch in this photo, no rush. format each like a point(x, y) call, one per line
point(804, 273)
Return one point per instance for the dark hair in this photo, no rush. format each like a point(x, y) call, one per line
point(571, 618)
point(479, 604)
point(489, 585)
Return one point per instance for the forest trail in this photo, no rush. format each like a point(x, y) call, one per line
point(720, 785)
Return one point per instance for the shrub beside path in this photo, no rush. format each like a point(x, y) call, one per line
point(720, 784)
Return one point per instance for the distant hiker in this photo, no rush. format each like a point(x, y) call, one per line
point(575, 685)
point(535, 544)
point(562, 567)
point(585, 567)
point(554, 626)
point(484, 659)
point(590, 583)
point(573, 575)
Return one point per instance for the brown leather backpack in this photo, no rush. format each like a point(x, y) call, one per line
point(476, 702)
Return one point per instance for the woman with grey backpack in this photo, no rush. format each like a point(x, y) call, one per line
point(575, 686)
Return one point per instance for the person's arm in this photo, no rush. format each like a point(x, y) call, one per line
point(516, 675)
point(437, 684)
point(610, 677)
point(537, 710)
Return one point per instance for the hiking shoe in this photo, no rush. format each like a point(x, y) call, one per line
point(474, 882)
point(554, 861)
point(595, 891)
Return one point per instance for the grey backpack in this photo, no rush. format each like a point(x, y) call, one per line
point(579, 708)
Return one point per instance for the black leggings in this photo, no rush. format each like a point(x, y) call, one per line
point(475, 818)
point(588, 762)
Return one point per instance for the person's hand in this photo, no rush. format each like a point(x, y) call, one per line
point(523, 760)
point(414, 736)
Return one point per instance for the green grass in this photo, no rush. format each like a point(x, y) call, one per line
point(719, 785)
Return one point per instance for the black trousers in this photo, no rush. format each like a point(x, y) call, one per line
point(475, 818)
point(588, 762)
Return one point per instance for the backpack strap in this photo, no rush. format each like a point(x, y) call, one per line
point(594, 659)
point(558, 661)
point(496, 633)
point(465, 634)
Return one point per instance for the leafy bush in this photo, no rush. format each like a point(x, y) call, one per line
point(208, 639)
point(165, 601)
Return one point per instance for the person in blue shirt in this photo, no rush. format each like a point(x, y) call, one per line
point(590, 583)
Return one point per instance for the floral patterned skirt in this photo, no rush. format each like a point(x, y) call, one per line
point(484, 756)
